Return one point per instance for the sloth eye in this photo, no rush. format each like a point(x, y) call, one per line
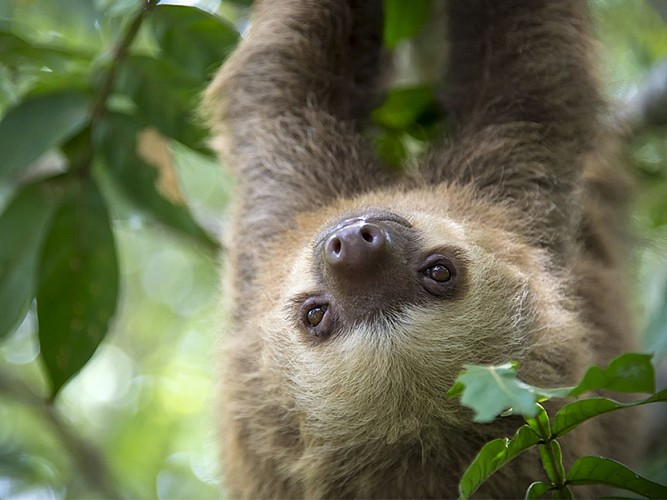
point(438, 276)
point(438, 273)
point(315, 315)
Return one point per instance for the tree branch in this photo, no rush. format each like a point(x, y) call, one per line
point(87, 459)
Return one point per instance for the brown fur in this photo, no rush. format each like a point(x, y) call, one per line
point(525, 196)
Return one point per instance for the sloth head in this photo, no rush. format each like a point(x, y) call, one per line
point(381, 300)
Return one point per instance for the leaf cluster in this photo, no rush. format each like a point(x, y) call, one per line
point(87, 123)
point(492, 391)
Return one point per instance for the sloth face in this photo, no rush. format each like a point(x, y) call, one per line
point(376, 309)
point(375, 264)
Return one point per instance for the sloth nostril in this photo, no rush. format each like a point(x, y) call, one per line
point(367, 235)
point(336, 246)
point(356, 247)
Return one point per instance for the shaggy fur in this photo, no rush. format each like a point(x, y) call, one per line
point(524, 198)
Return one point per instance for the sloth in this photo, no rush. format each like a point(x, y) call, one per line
point(356, 293)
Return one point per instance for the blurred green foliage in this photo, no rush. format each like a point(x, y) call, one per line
point(110, 209)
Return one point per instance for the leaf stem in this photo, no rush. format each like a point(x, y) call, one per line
point(99, 107)
point(119, 55)
point(554, 462)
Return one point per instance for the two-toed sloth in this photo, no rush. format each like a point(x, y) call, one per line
point(358, 294)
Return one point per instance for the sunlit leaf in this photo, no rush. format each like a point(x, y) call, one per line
point(139, 181)
point(404, 19)
point(22, 228)
point(491, 390)
point(494, 455)
point(572, 414)
point(597, 470)
point(37, 124)
point(630, 372)
point(78, 283)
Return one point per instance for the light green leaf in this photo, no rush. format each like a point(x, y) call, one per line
point(78, 283)
point(597, 470)
point(494, 455)
point(630, 372)
point(491, 390)
point(538, 490)
point(572, 414)
point(404, 19)
point(37, 124)
point(22, 228)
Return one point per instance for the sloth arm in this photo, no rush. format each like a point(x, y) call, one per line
point(288, 105)
point(524, 98)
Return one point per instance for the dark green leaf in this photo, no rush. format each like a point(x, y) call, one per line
point(494, 455)
point(22, 228)
point(165, 96)
point(404, 19)
point(538, 490)
point(37, 124)
point(118, 143)
point(196, 40)
point(630, 372)
point(78, 283)
point(552, 461)
point(565, 493)
point(572, 414)
point(597, 470)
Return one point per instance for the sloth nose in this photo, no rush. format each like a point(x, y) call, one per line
point(356, 247)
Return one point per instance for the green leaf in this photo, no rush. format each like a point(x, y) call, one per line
point(404, 19)
point(572, 414)
point(139, 181)
point(403, 107)
point(540, 423)
point(538, 490)
point(17, 53)
point(490, 390)
point(78, 283)
point(552, 461)
point(166, 98)
point(22, 229)
point(37, 124)
point(494, 455)
point(597, 470)
point(630, 372)
point(196, 40)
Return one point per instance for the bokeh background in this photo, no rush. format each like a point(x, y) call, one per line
point(98, 99)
